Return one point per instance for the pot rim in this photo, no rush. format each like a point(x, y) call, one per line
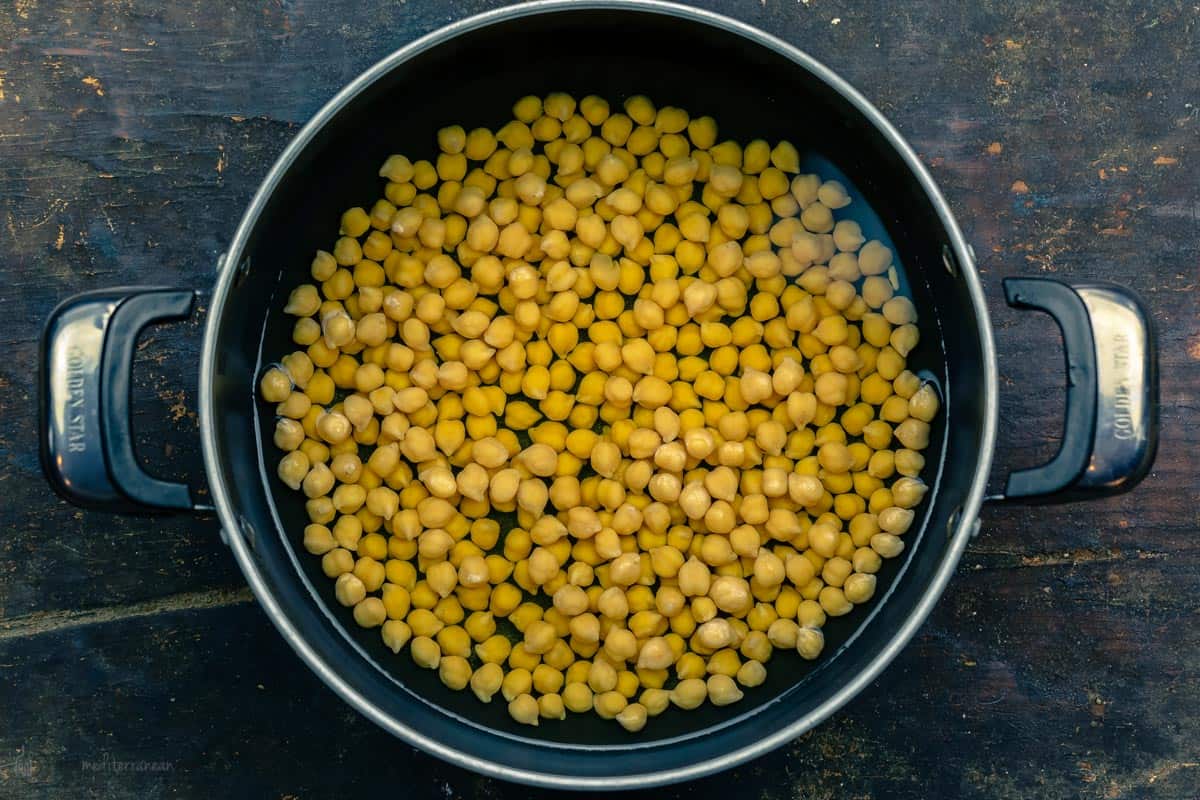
point(329, 673)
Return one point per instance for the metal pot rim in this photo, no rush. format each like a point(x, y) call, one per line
point(329, 672)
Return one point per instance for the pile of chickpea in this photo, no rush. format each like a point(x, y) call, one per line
point(597, 412)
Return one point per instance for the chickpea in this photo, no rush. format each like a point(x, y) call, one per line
point(689, 693)
point(874, 258)
point(524, 709)
point(540, 459)
point(913, 434)
point(722, 690)
point(571, 600)
point(318, 540)
point(293, 469)
point(809, 642)
point(609, 704)
point(768, 569)
point(395, 634)
point(656, 653)
point(625, 569)
point(694, 578)
point(721, 483)
point(551, 706)
point(731, 595)
point(349, 589)
point(923, 405)
point(633, 717)
point(318, 482)
point(613, 604)
point(895, 520)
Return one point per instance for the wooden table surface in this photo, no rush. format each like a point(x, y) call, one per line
point(1063, 660)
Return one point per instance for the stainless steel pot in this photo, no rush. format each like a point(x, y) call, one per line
point(469, 72)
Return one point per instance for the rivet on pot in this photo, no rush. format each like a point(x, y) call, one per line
point(247, 530)
point(949, 261)
point(952, 522)
point(243, 269)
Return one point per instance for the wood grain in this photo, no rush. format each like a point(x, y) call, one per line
point(1064, 660)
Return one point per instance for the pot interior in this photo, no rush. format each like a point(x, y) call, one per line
point(753, 91)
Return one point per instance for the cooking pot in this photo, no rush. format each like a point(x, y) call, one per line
point(470, 73)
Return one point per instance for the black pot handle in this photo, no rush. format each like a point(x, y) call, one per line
point(87, 354)
point(1110, 433)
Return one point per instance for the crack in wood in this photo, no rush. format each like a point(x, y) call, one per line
point(1006, 559)
point(42, 622)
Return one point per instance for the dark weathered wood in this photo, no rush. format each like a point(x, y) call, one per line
point(1041, 701)
point(1064, 660)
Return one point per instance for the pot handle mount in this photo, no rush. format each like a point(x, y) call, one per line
point(86, 358)
point(1110, 431)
